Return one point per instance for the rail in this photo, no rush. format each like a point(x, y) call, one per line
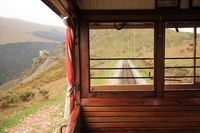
point(72, 123)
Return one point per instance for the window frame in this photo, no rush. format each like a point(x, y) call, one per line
point(185, 86)
point(131, 88)
point(159, 19)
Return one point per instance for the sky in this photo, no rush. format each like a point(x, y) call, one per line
point(29, 10)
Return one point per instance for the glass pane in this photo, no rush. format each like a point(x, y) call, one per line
point(122, 56)
point(179, 53)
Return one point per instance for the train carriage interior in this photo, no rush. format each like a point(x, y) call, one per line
point(136, 63)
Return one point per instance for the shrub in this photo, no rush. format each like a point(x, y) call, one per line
point(44, 93)
point(8, 99)
point(27, 96)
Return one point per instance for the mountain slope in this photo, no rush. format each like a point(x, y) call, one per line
point(21, 41)
point(15, 31)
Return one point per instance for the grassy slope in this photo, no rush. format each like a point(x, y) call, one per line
point(15, 31)
point(52, 80)
point(112, 43)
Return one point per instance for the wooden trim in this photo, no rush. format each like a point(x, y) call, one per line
point(134, 16)
point(143, 125)
point(145, 130)
point(182, 87)
point(84, 45)
point(195, 52)
point(77, 63)
point(142, 109)
point(121, 88)
point(149, 108)
point(139, 101)
point(73, 120)
point(128, 88)
point(159, 57)
point(139, 119)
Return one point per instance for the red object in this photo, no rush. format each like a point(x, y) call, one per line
point(69, 64)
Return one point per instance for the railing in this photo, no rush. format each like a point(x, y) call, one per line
point(150, 77)
point(72, 123)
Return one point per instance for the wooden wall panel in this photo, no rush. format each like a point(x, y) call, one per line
point(116, 4)
point(139, 101)
point(184, 4)
point(157, 115)
point(144, 130)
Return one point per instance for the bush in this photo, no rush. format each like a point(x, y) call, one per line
point(8, 99)
point(44, 93)
point(27, 96)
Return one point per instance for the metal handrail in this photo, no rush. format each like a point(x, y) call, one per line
point(143, 67)
point(169, 58)
point(107, 68)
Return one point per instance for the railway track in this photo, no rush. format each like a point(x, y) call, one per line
point(126, 73)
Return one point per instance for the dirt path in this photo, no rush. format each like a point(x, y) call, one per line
point(40, 122)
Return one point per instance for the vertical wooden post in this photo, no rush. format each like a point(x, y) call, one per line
point(195, 51)
point(77, 64)
point(84, 48)
point(159, 55)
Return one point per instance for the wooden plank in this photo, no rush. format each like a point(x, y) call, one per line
point(77, 64)
point(73, 120)
point(138, 101)
point(84, 47)
point(182, 94)
point(122, 88)
point(141, 119)
point(182, 87)
point(144, 130)
point(126, 94)
point(143, 124)
point(159, 55)
point(141, 108)
point(111, 88)
point(142, 15)
point(141, 114)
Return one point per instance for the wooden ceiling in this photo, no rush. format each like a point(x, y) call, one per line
point(65, 7)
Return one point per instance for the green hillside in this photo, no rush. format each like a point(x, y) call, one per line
point(41, 92)
point(21, 41)
point(139, 43)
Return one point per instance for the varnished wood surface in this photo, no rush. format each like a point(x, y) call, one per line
point(143, 130)
point(140, 115)
point(159, 55)
point(147, 108)
point(73, 120)
point(138, 101)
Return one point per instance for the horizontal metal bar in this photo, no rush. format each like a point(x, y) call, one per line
point(121, 58)
point(142, 77)
point(105, 68)
point(120, 68)
point(119, 77)
point(182, 67)
point(172, 58)
point(181, 76)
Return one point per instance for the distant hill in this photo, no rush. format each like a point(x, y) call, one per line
point(18, 31)
point(21, 41)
